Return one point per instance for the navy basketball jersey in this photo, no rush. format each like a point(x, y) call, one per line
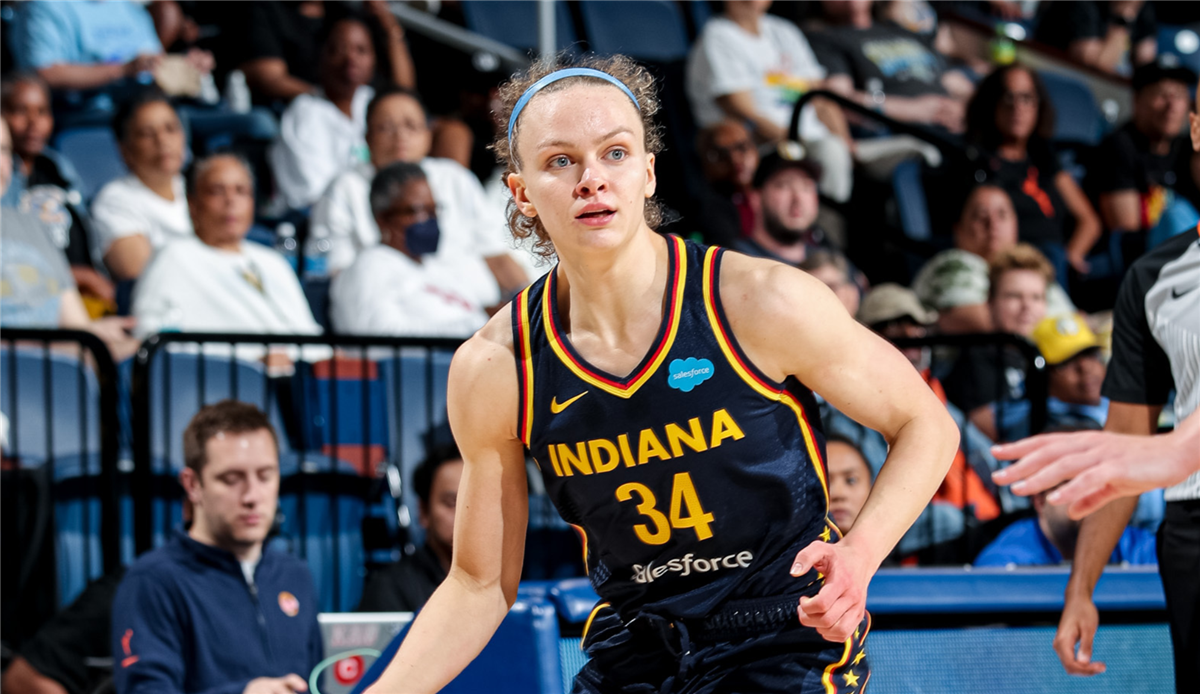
point(692, 480)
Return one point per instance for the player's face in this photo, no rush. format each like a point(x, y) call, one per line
point(584, 168)
point(237, 491)
point(849, 484)
point(1017, 113)
point(398, 132)
point(1159, 109)
point(1078, 380)
point(27, 112)
point(790, 202)
point(438, 518)
point(988, 224)
point(1019, 302)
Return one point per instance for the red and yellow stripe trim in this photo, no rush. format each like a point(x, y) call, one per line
point(831, 687)
point(588, 624)
point(584, 542)
point(631, 386)
point(760, 385)
point(525, 362)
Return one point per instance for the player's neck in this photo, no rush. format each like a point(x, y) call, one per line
point(605, 293)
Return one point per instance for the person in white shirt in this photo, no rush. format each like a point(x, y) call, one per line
point(474, 236)
point(752, 66)
point(401, 287)
point(137, 214)
point(216, 281)
point(321, 134)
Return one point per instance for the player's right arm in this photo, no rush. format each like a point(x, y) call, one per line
point(490, 520)
point(1098, 535)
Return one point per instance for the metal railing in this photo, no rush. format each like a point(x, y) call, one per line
point(58, 393)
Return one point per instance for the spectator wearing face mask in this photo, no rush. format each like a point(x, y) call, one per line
point(401, 287)
point(343, 224)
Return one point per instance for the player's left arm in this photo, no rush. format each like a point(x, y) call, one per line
point(789, 323)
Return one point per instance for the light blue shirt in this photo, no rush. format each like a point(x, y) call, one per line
point(53, 33)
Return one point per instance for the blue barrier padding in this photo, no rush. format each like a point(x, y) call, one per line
point(942, 591)
point(953, 591)
point(521, 658)
point(1001, 660)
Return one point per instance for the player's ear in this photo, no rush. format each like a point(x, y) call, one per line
point(651, 177)
point(516, 186)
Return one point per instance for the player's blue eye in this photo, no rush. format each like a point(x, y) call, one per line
point(560, 161)
point(618, 154)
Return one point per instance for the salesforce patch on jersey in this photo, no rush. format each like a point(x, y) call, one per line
point(686, 374)
point(688, 564)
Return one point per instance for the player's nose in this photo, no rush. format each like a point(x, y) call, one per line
point(591, 181)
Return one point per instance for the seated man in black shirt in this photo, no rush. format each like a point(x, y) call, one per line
point(55, 660)
point(1146, 165)
point(406, 585)
point(884, 66)
point(1109, 36)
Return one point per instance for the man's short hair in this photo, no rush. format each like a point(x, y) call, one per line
point(389, 182)
point(818, 258)
point(9, 85)
point(201, 166)
point(1020, 257)
point(423, 476)
point(226, 416)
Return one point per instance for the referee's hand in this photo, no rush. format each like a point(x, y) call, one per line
point(838, 608)
point(1078, 625)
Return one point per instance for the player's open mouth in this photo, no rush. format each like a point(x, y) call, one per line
point(596, 217)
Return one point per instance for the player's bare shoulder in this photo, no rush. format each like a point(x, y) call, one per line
point(483, 376)
point(774, 310)
point(758, 289)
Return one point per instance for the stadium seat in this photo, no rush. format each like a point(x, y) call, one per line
point(1182, 43)
point(341, 406)
point(322, 507)
point(95, 154)
point(652, 30)
point(911, 205)
point(52, 402)
point(514, 22)
point(1077, 118)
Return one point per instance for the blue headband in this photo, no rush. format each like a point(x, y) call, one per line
point(562, 75)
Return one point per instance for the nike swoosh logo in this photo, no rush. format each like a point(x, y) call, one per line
point(1175, 293)
point(556, 407)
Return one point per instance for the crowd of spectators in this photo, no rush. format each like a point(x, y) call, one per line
point(322, 126)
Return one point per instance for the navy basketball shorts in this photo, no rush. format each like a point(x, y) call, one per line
point(651, 654)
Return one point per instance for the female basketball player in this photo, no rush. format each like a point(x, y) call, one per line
point(662, 389)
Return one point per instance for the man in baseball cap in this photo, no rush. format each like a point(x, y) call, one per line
point(1076, 371)
point(1145, 180)
point(786, 228)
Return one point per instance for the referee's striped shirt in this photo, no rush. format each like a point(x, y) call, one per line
point(1156, 336)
